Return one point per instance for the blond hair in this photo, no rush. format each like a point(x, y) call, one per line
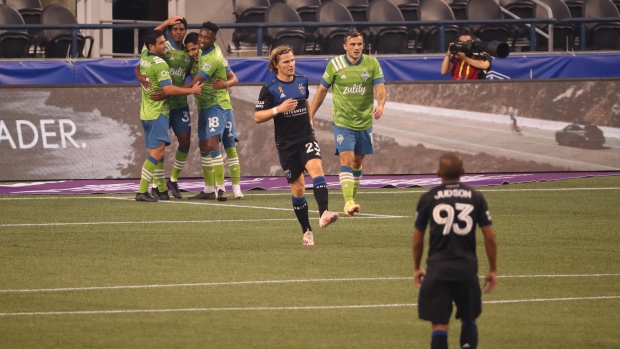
point(274, 57)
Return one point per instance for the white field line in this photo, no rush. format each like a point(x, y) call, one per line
point(262, 282)
point(323, 307)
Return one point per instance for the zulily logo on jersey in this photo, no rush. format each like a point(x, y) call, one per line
point(177, 72)
point(356, 88)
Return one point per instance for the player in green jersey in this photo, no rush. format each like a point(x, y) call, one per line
point(353, 77)
point(155, 114)
point(216, 121)
point(180, 63)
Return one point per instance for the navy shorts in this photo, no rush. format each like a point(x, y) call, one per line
point(156, 131)
point(180, 121)
point(216, 121)
point(359, 142)
point(294, 158)
point(436, 297)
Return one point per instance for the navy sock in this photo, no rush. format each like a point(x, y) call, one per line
point(469, 335)
point(300, 205)
point(439, 339)
point(320, 193)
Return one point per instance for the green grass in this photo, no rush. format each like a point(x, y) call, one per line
point(191, 254)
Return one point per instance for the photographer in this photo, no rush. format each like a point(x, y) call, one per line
point(464, 65)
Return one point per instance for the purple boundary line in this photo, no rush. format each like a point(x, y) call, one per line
point(125, 186)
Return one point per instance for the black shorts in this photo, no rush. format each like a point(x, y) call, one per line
point(436, 297)
point(293, 159)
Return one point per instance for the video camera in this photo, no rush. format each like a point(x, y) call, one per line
point(475, 47)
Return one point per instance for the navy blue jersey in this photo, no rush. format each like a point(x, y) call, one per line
point(292, 127)
point(453, 211)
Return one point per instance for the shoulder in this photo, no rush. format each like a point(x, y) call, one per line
point(270, 82)
point(301, 78)
point(337, 62)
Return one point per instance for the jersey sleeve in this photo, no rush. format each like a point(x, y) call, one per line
point(328, 77)
point(421, 214)
point(265, 99)
point(377, 77)
point(484, 216)
point(163, 73)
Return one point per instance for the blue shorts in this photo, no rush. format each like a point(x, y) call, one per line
point(156, 131)
point(359, 142)
point(216, 121)
point(179, 120)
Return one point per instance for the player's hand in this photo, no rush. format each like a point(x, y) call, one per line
point(288, 105)
point(159, 95)
point(490, 282)
point(418, 276)
point(197, 88)
point(218, 84)
point(144, 81)
point(174, 20)
point(378, 112)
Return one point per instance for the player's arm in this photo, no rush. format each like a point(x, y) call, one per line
point(381, 96)
point(231, 80)
point(418, 250)
point(268, 114)
point(171, 90)
point(490, 244)
point(318, 99)
point(142, 78)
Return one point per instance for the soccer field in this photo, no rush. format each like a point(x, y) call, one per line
point(95, 271)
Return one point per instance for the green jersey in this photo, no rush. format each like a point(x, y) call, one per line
point(352, 90)
point(213, 66)
point(157, 73)
point(179, 62)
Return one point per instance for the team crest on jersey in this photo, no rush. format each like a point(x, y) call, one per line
point(302, 89)
point(340, 139)
point(344, 75)
point(287, 173)
point(171, 55)
point(206, 67)
point(282, 95)
point(365, 75)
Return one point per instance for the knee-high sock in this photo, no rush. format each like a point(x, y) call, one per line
point(148, 171)
point(207, 172)
point(320, 193)
point(180, 158)
point(346, 182)
point(439, 339)
point(233, 165)
point(159, 178)
point(300, 206)
point(469, 335)
point(218, 168)
point(357, 179)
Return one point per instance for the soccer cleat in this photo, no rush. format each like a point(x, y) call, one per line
point(308, 239)
point(174, 189)
point(145, 197)
point(159, 195)
point(328, 218)
point(203, 196)
point(351, 208)
point(221, 195)
point(237, 194)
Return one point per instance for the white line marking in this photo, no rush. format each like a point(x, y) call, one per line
point(324, 307)
point(259, 282)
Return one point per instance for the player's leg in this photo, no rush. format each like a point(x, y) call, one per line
point(207, 168)
point(363, 147)
point(180, 123)
point(357, 173)
point(439, 336)
point(468, 300)
point(435, 305)
point(230, 140)
point(294, 171)
point(155, 139)
point(312, 158)
point(345, 146)
point(218, 172)
point(159, 182)
point(216, 124)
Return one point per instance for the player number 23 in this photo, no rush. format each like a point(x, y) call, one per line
point(443, 214)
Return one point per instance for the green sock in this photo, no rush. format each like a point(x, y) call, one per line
point(148, 168)
point(346, 182)
point(207, 172)
point(233, 165)
point(180, 158)
point(159, 179)
point(218, 167)
point(357, 179)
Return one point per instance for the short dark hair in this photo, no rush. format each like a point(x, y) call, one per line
point(451, 166)
point(191, 38)
point(151, 36)
point(210, 26)
point(181, 21)
point(352, 34)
